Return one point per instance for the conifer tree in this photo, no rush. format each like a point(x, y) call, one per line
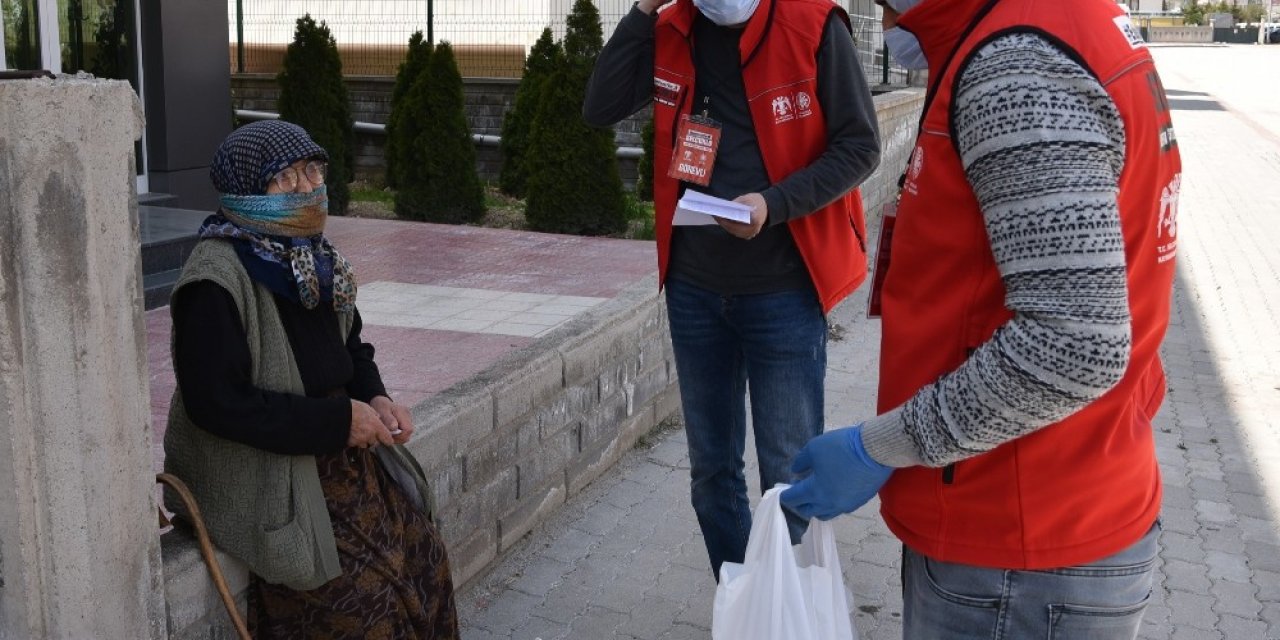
point(573, 186)
point(440, 183)
point(543, 59)
point(401, 131)
point(314, 97)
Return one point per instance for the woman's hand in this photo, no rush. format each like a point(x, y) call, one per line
point(395, 417)
point(367, 429)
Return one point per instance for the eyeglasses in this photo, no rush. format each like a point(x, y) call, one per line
point(287, 179)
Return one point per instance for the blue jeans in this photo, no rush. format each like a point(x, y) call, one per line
point(1103, 600)
point(776, 345)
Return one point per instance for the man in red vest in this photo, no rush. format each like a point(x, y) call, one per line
point(1027, 292)
point(761, 102)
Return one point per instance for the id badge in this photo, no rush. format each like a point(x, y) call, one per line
point(883, 249)
point(697, 141)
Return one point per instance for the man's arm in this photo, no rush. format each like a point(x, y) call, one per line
point(853, 137)
point(622, 80)
point(1043, 146)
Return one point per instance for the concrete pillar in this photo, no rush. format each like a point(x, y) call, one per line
point(79, 543)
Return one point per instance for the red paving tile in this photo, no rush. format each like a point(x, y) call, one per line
point(497, 259)
point(418, 363)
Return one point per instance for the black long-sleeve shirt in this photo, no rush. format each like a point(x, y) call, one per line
point(708, 256)
point(213, 366)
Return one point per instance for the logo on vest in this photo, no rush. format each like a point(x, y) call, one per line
point(1167, 222)
point(783, 110)
point(1130, 32)
point(805, 103)
point(665, 92)
point(788, 108)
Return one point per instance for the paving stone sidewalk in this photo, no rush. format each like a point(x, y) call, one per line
point(624, 560)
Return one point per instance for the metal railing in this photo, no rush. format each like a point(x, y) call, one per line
point(490, 37)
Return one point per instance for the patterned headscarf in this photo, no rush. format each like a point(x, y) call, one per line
point(247, 159)
point(279, 238)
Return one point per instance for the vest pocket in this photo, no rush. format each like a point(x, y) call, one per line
point(280, 551)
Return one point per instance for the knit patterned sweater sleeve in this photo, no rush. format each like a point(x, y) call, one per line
point(1042, 145)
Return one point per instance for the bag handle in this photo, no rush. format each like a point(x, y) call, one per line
point(770, 537)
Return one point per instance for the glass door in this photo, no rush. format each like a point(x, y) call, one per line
point(66, 36)
point(20, 39)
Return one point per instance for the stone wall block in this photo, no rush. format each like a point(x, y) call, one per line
point(469, 556)
point(487, 458)
point(544, 461)
point(598, 457)
point(604, 424)
point(539, 505)
point(450, 422)
point(527, 386)
point(194, 605)
point(479, 510)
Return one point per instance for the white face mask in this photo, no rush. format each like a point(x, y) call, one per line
point(905, 49)
point(727, 12)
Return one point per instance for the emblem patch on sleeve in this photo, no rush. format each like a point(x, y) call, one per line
point(1130, 32)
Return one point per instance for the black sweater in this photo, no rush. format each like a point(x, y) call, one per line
point(212, 364)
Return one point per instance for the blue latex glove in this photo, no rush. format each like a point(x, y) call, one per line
point(841, 476)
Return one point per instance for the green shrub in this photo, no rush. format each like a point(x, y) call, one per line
point(573, 184)
point(313, 96)
point(541, 63)
point(583, 36)
point(401, 131)
point(440, 183)
point(644, 170)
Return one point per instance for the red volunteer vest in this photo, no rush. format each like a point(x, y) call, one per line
point(1086, 487)
point(779, 71)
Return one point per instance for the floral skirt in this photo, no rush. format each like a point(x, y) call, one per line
point(395, 582)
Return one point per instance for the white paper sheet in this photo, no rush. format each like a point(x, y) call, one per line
point(698, 208)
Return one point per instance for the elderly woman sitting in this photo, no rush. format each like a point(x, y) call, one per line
point(280, 422)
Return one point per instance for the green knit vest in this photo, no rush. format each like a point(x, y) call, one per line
point(265, 509)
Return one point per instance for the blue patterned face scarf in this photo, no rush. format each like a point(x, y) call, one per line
point(279, 237)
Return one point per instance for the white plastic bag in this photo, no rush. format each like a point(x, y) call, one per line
point(778, 593)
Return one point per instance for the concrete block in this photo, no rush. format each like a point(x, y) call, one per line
point(534, 507)
point(449, 423)
point(470, 555)
point(649, 384)
point(487, 458)
point(619, 376)
point(195, 609)
point(667, 405)
point(545, 461)
point(446, 483)
point(622, 321)
point(604, 423)
point(600, 455)
point(527, 385)
point(481, 508)
point(567, 409)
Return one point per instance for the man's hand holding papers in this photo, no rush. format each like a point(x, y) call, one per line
point(742, 217)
